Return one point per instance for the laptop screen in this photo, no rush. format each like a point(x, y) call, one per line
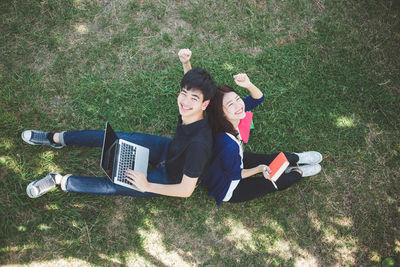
point(108, 153)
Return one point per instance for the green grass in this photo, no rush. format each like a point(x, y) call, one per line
point(330, 74)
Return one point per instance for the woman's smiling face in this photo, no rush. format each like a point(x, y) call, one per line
point(233, 106)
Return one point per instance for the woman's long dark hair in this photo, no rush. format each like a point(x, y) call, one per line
point(219, 123)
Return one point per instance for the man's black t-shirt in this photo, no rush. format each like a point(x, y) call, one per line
point(190, 150)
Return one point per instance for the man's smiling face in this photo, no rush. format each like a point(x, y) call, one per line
point(190, 103)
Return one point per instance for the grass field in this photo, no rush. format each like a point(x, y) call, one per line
point(330, 71)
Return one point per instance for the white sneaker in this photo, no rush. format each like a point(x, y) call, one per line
point(34, 137)
point(309, 157)
point(40, 187)
point(308, 170)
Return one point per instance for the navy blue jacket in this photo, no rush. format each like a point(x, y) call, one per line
point(225, 166)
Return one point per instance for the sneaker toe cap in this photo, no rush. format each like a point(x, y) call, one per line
point(32, 191)
point(26, 135)
point(316, 169)
point(310, 170)
point(314, 157)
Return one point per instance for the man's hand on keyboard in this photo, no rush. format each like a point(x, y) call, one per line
point(138, 179)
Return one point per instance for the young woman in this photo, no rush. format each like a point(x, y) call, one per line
point(228, 178)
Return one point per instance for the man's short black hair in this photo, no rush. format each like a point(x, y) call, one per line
point(199, 79)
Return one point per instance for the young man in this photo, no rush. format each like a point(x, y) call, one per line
point(179, 162)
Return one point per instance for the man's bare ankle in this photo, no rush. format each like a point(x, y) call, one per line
point(56, 138)
point(58, 178)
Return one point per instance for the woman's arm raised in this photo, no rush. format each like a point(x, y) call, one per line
point(243, 80)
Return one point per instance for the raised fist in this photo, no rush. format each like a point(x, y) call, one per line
point(184, 55)
point(242, 80)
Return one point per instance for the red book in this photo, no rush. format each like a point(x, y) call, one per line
point(278, 166)
point(244, 126)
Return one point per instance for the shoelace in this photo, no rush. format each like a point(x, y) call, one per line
point(45, 183)
point(39, 137)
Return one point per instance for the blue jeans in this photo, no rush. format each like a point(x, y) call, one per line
point(158, 146)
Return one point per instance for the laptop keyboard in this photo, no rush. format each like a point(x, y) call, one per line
point(126, 161)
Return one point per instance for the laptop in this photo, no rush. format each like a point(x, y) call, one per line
point(118, 155)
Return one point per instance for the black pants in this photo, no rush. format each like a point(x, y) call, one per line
point(253, 187)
